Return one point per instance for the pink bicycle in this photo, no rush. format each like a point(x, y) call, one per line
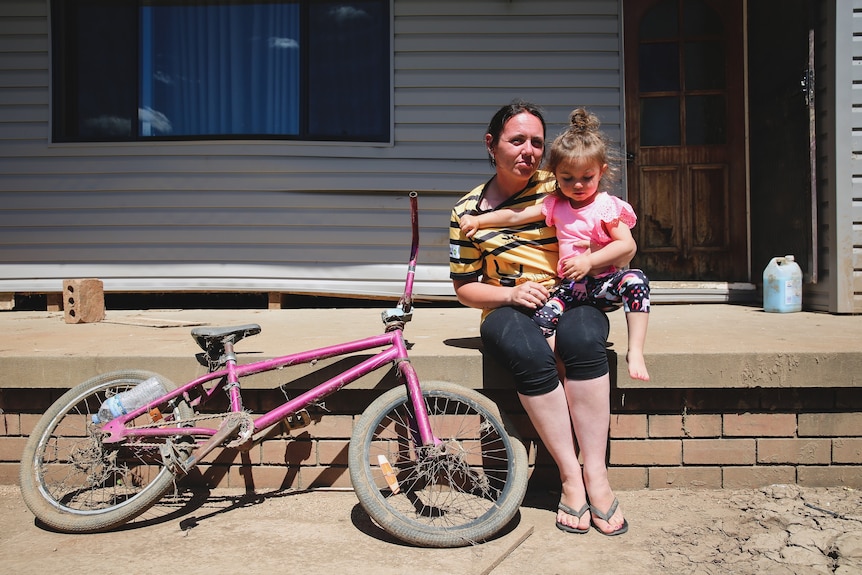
point(435, 464)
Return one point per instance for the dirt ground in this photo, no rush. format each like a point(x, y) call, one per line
point(781, 529)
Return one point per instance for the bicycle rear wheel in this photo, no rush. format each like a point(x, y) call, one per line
point(73, 482)
point(460, 492)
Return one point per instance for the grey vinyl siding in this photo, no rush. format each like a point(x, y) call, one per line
point(290, 216)
point(838, 53)
point(853, 219)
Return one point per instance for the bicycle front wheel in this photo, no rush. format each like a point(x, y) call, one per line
point(462, 491)
point(73, 482)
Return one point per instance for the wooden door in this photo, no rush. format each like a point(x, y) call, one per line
point(685, 140)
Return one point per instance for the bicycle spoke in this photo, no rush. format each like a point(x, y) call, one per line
point(456, 486)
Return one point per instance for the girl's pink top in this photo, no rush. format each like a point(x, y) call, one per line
point(578, 228)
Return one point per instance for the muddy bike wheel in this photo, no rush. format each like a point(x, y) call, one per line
point(458, 493)
point(73, 482)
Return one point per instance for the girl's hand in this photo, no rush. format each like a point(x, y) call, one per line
point(577, 267)
point(531, 295)
point(469, 225)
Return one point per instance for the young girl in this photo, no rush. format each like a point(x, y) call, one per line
point(593, 230)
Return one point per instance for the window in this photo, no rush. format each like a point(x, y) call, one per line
point(133, 70)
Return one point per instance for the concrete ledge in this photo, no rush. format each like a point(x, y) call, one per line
point(689, 346)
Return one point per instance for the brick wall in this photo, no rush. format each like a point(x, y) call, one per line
point(658, 438)
point(736, 438)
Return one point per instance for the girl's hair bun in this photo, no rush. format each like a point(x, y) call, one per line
point(583, 121)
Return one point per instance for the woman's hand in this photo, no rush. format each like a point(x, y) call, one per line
point(530, 295)
point(473, 293)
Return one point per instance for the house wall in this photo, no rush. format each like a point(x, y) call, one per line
point(851, 196)
point(290, 216)
point(839, 147)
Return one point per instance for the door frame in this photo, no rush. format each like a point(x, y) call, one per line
point(741, 164)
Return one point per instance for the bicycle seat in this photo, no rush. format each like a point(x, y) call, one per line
point(206, 336)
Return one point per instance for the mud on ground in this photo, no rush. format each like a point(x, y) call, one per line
point(781, 529)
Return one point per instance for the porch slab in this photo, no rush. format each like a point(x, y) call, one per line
point(688, 346)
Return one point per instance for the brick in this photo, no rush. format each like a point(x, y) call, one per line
point(628, 478)
point(311, 477)
point(628, 426)
point(760, 425)
point(9, 473)
point(684, 426)
point(718, 451)
point(253, 456)
point(829, 476)
point(28, 421)
point(332, 452)
point(83, 300)
point(232, 456)
point(801, 451)
point(11, 448)
point(11, 424)
point(206, 475)
point(286, 451)
point(462, 425)
point(830, 424)
point(646, 452)
point(758, 476)
point(666, 426)
point(694, 477)
point(256, 477)
point(846, 450)
point(331, 427)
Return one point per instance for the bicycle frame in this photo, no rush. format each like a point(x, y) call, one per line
point(456, 484)
point(395, 351)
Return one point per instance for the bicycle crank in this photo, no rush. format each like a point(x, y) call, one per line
point(235, 423)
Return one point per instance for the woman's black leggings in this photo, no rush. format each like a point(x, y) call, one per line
point(516, 342)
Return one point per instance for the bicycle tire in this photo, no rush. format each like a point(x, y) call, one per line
point(74, 483)
point(463, 492)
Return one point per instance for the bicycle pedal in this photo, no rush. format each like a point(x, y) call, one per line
point(297, 420)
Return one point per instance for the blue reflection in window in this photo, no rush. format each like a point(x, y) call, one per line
point(220, 69)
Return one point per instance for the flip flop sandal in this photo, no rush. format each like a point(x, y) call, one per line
point(566, 509)
point(606, 517)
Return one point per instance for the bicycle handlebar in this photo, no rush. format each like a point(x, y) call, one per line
point(396, 318)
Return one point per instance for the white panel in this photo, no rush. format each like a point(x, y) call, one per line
point(283, 215)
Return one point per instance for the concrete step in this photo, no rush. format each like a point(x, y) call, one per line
point(688, 346)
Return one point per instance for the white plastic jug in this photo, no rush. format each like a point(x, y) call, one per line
point(782, 285)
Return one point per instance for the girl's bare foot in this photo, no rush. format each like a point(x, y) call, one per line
point(637, 365)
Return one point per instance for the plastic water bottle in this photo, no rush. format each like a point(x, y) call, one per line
point(130, 400)
point(782, 285)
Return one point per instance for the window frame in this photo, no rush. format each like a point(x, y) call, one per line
point(60, 90)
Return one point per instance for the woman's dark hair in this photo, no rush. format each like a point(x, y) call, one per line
point(506, 113)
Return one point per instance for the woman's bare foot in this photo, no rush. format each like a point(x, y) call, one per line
point(603, 501)
point(574, 502)
point(637, 365)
